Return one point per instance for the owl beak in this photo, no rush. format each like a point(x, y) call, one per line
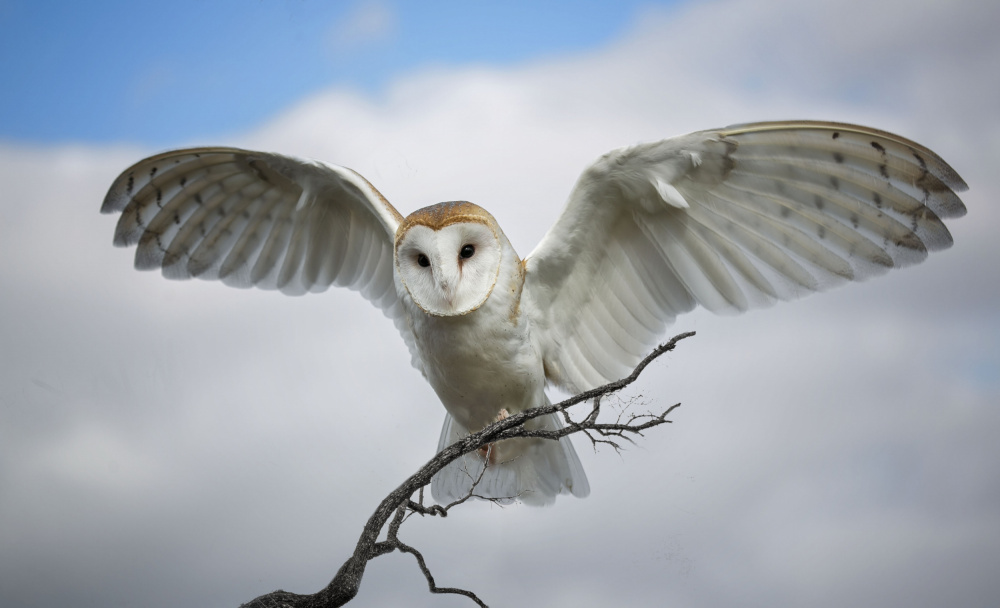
point(448, 289)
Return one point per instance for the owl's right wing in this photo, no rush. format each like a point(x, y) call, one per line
point(727, 219)
point(255, 219)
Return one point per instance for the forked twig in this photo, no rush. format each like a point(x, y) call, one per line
point(399, 504)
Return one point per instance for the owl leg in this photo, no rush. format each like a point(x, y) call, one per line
point(487, 451)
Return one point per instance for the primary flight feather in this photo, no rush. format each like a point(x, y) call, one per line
point(727, 219)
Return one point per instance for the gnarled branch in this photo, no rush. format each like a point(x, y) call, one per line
point(399, 503)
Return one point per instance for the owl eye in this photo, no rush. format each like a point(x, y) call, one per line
point(422, 260)
point(467, 252)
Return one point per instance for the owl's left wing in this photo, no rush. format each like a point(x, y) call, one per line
point(728, 219)
point(259, 219)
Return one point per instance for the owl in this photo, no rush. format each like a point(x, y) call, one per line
point(727, 219)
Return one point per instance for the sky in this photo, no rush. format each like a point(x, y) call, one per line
point(163, 73)
point(172, 443)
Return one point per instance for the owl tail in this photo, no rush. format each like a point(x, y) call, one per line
point(533, 470)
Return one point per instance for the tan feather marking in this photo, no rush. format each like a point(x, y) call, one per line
point(440, 215)
point(837, 127)
point(516, 287)
point(948, 176)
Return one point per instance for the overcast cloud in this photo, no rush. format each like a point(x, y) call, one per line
point(186, 444)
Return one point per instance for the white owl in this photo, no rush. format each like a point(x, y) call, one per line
point(728, 219)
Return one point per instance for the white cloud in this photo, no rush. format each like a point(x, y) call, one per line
point(837, 450)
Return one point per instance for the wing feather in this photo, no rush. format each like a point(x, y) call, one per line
point(754, 242)
point(634, 314)
point(632, 295)
point(259, 219)
point(356, 254)
point(657, 278)
point(264, 272)
point(610, 332)
point(731, 254)
point(236, 269)
point(729, 219)
point(802, 236)
point(230, 219)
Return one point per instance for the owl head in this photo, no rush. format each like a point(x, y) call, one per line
point(448, 257)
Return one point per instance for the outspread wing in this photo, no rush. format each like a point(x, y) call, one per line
point(728, 219)
point(259, 219)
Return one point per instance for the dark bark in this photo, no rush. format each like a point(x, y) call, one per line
point(399, 504)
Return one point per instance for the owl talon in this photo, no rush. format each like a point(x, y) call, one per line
point(487, 453)
point(487, 450)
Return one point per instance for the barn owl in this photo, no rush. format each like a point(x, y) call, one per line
point(728, 219)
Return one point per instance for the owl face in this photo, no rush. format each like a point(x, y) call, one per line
point(448, 257)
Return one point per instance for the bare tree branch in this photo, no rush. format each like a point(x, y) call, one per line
point(401, 546)
point(399, 503)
